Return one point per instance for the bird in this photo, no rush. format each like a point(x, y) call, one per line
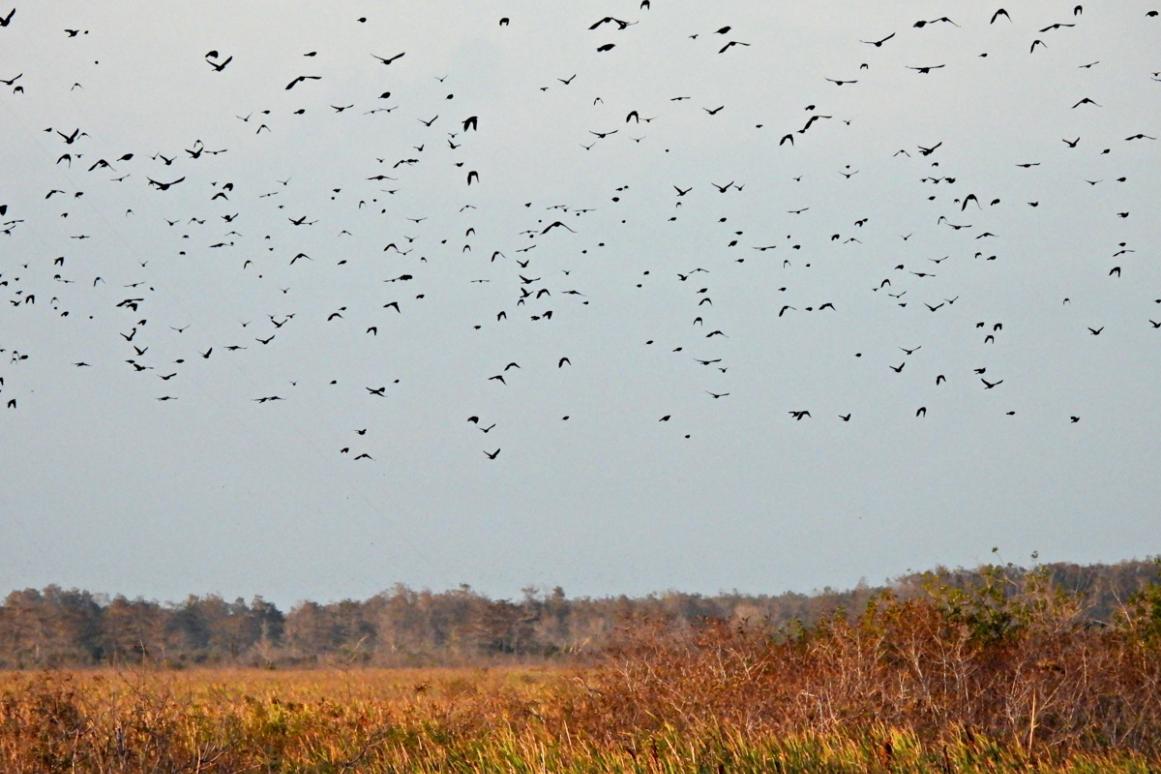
point(220, 66)
point(302, 79)
point(942, 19)
point(878, 43)
point(730, 45)
point(621, 24)
point(492, 455)
point(165, 186)
point(389, 60)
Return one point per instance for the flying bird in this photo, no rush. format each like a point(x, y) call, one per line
point(878, 43)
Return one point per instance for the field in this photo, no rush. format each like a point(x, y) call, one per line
point(946, 683)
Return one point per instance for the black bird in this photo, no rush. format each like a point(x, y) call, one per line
point(942, 19)
point(71, 138)
point(164, 186)
point(219, 66)
point(730, 45)
point(492, 455)
point(878, 43)
point(302, 78)
point(389, 60)
point(621, 24)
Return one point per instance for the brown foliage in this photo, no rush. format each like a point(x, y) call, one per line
point(1019, 664)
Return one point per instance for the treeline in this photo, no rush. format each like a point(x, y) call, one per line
point(404, 627)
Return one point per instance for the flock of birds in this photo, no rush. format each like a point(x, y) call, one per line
point(261, 230)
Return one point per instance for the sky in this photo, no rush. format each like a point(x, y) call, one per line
point(106, 487)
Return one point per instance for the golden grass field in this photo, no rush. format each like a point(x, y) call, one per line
point(432, 720)
point(951, 682)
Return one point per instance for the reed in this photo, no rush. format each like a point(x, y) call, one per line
point(984, 679)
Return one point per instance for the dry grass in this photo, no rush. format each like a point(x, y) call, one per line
point(953, 682)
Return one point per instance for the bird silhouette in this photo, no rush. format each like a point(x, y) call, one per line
point(878, 43)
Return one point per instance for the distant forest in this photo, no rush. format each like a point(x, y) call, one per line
point(55, 627)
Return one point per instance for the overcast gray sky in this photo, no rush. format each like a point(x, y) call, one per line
point(108, 488)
